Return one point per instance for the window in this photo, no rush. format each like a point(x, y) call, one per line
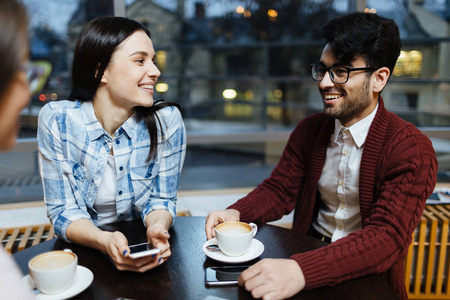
point(241, 70)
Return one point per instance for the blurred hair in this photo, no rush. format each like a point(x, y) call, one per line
point(13, 40)
point(95, 46)
point(374, 38)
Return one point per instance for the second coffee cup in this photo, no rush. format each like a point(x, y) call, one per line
point(235, 238)
point(53, 272)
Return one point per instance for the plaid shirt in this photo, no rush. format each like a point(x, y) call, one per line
point(73, 153)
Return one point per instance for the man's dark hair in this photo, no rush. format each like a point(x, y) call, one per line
point(374, 38)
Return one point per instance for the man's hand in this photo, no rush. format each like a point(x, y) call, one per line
point(273, 279)
point(216, 217)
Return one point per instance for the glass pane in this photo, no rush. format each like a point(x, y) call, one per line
point(243, 66)
point(54, 29)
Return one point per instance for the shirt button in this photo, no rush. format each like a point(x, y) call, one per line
point(340, 182)
point(120, 193)
point(345, 152)
point(342, 206)
point(121, 168)
point(117, 142)
point(340, 227)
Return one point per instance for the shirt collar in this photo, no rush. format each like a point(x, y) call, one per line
point(95, 129)
point(358, 130)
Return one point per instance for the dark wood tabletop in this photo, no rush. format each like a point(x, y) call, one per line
point(183, 275)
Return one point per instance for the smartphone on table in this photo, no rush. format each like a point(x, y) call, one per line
point(225, 275)
point(141, 250)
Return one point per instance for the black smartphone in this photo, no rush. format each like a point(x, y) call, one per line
point(141, 250)
point(226, 275)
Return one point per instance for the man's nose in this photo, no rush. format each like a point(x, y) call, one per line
point(326, 81)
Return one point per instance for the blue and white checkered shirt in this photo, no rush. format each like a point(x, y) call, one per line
point(73, 153)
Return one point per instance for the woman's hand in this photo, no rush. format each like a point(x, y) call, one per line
point(219, 216)
point(116, 246)
point(159, 237)
point(158, 223)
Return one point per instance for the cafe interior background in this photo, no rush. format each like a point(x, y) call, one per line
point(241, 71)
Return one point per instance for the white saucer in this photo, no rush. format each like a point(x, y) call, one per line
point(83, 279)
point(255, 250)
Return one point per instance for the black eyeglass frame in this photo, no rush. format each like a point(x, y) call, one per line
point(348, 69)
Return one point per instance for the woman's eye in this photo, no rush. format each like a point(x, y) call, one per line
point(141, 60)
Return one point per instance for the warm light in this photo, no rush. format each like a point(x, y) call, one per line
point(161, 60)
point(272, 13)
point(415, 54)
point(240, 9)
point(162, 87)
point(247, 14)
point(249, 95)
point(42, 97)
point(53, 96)
point(278, 93)
point(370, 11)
point(229, 94)
point(409, 63)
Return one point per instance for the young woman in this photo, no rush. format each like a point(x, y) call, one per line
point(15, 74)
point(110, 153)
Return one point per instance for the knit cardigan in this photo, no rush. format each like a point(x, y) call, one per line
point(397, 174)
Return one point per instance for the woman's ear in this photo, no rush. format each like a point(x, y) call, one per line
point(104, 80)
point(381, 79)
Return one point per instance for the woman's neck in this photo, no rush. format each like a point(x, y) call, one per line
point(110, 116)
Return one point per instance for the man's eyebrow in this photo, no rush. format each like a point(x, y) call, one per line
point(144, 53)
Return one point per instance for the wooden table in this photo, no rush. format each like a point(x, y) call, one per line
point(183, 275)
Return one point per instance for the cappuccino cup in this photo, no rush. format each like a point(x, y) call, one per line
point(234, 238)
point(53, 272)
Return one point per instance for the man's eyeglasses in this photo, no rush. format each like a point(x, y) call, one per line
point(37, 74)
point(338, 74)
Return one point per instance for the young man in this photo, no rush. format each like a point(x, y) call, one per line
point(357, 175)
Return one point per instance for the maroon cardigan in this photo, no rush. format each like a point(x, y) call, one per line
point(398, 173)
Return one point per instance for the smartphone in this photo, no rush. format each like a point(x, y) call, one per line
point(141, 250)
point(226, 275)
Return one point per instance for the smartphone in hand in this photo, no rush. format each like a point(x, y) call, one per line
point(141, 250)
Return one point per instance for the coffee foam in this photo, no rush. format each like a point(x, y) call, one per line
point(52, 261)
point(234, 228)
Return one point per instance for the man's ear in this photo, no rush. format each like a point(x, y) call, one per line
point(381, 79)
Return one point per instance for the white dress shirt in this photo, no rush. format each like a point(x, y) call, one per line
point(339, 213)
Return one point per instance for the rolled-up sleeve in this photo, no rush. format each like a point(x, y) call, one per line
point(56, 174)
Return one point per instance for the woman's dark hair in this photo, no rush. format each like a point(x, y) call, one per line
point(374, 38)
point(95, 46)
point(13, 39)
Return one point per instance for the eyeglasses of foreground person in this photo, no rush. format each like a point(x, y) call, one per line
point(338, 74)
point(37, 73)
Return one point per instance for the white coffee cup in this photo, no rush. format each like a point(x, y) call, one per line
point(53, 272)
point(234, 238)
